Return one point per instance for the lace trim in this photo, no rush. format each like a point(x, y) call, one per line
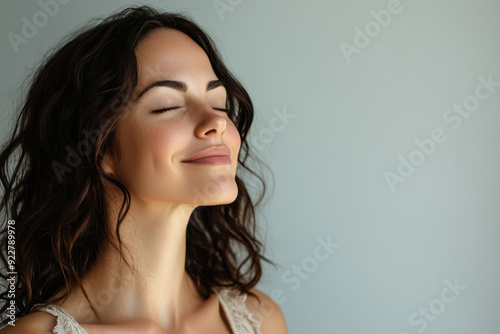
point(240, 318)
point(65, 323)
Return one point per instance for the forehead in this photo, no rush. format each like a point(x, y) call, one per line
point(169, 53)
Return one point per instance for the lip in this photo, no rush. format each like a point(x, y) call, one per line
point(214, 155)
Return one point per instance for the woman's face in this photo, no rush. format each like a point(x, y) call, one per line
point(154, 142)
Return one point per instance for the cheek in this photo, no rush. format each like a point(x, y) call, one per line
point(147, 148)
point(163, 141)
point(234, 136)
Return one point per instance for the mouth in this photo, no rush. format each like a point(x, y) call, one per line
point(215, 155)
point(212, 160)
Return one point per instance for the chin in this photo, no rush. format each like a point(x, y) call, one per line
point(231, 199)
point(217, 196)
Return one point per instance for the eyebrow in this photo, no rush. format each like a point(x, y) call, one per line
point(178, 85)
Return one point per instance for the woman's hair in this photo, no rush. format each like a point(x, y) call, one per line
point(54, 184)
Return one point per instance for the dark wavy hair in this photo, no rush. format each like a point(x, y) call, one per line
point(53, 180)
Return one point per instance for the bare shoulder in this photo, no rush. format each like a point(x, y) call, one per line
point(267, 312)
point(33, 323)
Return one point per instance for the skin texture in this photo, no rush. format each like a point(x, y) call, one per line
point(160, 297)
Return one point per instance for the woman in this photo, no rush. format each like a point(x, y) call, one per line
point(120, 186)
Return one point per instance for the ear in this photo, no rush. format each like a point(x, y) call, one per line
point(107, 164)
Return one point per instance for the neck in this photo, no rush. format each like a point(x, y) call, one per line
point(157, 287)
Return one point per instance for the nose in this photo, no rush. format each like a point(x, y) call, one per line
point(209, 122)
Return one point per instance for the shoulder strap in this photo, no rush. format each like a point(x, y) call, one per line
point(66, 324)
point(239, 317)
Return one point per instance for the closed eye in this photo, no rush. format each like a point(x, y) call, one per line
point(159, 111)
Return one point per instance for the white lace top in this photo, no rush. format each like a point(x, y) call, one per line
point(233, 304)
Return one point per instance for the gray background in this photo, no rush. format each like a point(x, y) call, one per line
point(349, 122)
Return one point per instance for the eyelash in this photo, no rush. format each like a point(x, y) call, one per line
point(159, 111)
